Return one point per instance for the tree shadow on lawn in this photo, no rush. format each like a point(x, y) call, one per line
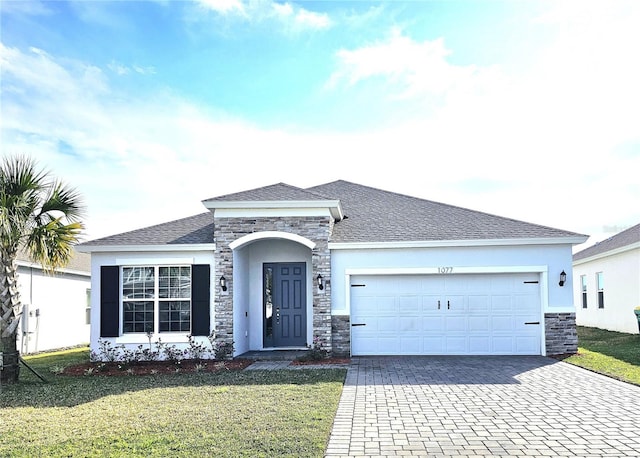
point(66, 391)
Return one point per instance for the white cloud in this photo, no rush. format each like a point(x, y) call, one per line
point(223, 6)
point(291, 18)
point(407, 68)
point(122, 69)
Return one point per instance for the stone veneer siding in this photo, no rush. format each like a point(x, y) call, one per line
point(561, 333)
point(318, 229)
point(341, 335)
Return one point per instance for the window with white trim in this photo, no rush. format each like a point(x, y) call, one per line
point(156, 299)
point(583, 283)
point(600, 286)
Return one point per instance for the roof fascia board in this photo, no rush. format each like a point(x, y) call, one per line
point(619, 250)
point(271, 212)
point(142, 248)
point(333, 205)
point(457, 243)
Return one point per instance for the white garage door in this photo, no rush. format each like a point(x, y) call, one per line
point(484, 314)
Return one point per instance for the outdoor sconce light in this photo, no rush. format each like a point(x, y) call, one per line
point(320, 284)
point(223, 283)
point(563, 278)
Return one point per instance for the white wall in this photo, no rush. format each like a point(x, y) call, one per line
point(621, 277)
point(555, 257)
point(55, 310)
point(142, 258)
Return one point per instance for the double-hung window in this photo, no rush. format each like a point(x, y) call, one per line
point(156, 299)
point(583, 283)
point(600, 286)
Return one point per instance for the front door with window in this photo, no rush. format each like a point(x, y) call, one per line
point(285, 309)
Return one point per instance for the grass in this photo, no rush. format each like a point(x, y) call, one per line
point(229, 414)
point(615, 354)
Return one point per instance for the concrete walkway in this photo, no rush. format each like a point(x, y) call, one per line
point(483, 406)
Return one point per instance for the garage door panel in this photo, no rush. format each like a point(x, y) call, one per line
point(386, 305)
point(502, 345)
point(456, 345)
point(479, 324)
point(501, 304)
point(410, 324)
point(410, 305)
point(480, 345)
point(502, 324)
point(431, 324)
point(478, 314)
point(455, 304)
point(431, 303)
point(478, 304)
point(526, 345)
point(433, 345)
point(455, 323)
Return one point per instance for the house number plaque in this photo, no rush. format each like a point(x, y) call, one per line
point(445, 270)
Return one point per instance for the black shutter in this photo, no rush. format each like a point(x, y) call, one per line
point(200, 299)
point(109, 301)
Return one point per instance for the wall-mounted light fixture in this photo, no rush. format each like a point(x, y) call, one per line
point(223, 283)
point(563, 278)
point(320, 282)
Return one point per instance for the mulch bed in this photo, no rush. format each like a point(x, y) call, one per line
point(156, 367)
point(317, 362)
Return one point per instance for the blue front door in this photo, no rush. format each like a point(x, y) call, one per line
point(285, 308)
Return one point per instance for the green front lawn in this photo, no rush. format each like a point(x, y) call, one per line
point(615, 354)
point(229, 414)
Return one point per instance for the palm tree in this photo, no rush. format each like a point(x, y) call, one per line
point(39, 215)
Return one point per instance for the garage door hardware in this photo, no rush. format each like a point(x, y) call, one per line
point(448, 305)
point(358, 286)
point(532, 322)
point(531, 282)
point(358, 324)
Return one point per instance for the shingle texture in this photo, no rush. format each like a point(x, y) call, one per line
point(372, 215)
point(621, 239)
point(279, 191)
point(192, 230)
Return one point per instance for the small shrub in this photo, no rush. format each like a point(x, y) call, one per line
point(89, 371)
point(196, 350)
point(315, 352)
point(223, 350)
point(57, 370)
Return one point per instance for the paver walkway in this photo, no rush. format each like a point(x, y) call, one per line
point(483, 406)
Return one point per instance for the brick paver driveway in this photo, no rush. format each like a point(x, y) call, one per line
point(483, 406)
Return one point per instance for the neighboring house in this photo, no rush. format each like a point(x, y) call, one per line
point(56, 306)
point(607, 282)
point(354, 269)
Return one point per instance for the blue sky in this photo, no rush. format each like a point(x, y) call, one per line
point(526, 109)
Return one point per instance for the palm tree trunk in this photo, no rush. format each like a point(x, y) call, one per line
point(9, 320)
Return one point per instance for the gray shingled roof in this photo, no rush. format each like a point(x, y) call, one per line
point(186, 231)
point(279, 191)
point(80, 262)
point(621, 239)
point(372, 215)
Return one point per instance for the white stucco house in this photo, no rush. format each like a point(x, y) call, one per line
point(607, 286)
point(56, 306)
point(355, 269)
